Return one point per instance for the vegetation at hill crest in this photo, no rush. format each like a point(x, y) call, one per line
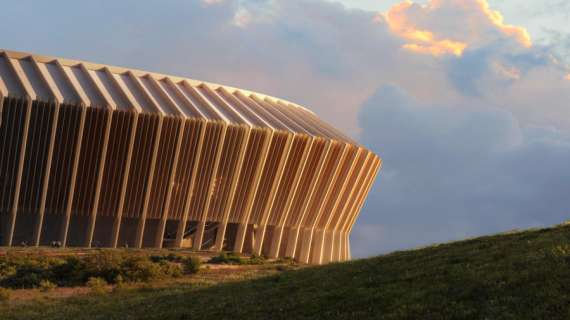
point(523, 275)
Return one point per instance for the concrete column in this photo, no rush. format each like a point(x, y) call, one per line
point(292, 239)
point(22, 156)
point(348, 255)
point(142, 219)
point(45, 182)
point(101, 172)
point(199, 235)
point(275, 242)
point(305, 248)
point(220, 234)
point(327, 247)
point(242, 228)
point(343, 253)
point(119, 214)
point(335, 254)
point(258, 243)
point(71, 193)
point(159, 238)
point(182, 223)
point(280, 230)
point(317, 247)
point(240, 237)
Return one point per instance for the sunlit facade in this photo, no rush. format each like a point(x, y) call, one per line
point(101, 156)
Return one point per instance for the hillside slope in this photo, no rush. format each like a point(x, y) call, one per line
point(522, 275)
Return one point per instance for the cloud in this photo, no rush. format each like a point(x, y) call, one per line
point(422, 41)
point(443, 27)
point(451, 173)
point(519, 33)
point(250, 12)
point(212, 2)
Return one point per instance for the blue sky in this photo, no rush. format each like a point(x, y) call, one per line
point(465, 100)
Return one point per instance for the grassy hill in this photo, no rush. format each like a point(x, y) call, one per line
point(522, 275)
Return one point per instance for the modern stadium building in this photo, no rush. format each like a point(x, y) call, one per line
point(100, 156)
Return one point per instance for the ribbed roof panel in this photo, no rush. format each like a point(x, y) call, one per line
point(101, 86)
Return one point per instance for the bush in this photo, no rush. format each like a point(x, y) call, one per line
point(119, 280)
point(26, 276)
point(226, 258)
point(106, 264)
point(287, 260)
point(171, 269)
point(27, 271)
point(138, 269)
point(72, 272)
point(6, 269)
point(97, 285)
point(192, 265)
point(120, 284)
point(46, 285)
point(255, 259)
point(282, 267)
point(233, 258)
point(5, 294)
point(171, 257)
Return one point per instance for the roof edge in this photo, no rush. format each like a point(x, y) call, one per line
point(115, 69)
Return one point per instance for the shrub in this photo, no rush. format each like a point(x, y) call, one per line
point(282, 267)
point(286, 260)
point(120, 284)
point(192, 265)
point(6, 269)
point(119, 280)
point(97, 285)
point(255, 259)
point(233, 258)
point(26, 276)
point(105, 264)
point(72, 272)
point(171, 257)
point(171, 269)
point(46, 285)
point(28, 271)
point(226, 258)
point(5, 294)
point(140, 269)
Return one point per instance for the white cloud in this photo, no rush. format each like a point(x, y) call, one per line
point(242, 18)
point(212, 2)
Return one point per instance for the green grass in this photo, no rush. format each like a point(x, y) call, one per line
point(510, 276)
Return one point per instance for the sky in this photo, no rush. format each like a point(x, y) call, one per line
point(466, 101)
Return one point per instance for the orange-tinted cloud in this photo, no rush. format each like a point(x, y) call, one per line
point(421, 41)
point(417, 25)
point(519, 33)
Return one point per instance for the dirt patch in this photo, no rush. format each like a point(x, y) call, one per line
point(57, 293)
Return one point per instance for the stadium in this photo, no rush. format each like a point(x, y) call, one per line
point(101, 156)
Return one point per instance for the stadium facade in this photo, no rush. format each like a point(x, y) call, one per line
point(101, 156)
